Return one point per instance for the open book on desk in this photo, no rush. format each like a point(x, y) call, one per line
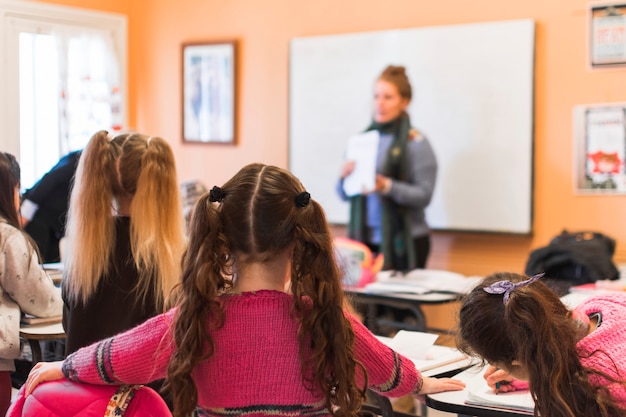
point(420, 348)
point(29, 320)
point(481, 394)
point(422, 281)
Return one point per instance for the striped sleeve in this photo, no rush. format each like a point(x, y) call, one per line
point(388, 372)
point(137, 356)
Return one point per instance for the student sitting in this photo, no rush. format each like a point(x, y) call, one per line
point(259, 328)
point(24, 285)
point(125, 237)
point(574, 361)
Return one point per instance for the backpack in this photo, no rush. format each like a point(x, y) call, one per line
point(576, 258)
point(356, 262)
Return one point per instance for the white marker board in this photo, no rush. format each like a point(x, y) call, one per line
point(472, 97)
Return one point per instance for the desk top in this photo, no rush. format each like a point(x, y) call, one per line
point(428, 298)
point(54, 271)
point(454, 401)
point(450, 368)
point(43, 331)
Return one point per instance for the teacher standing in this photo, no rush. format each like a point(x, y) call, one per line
point(390, 219)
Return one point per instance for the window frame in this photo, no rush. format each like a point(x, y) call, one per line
point(15, 13)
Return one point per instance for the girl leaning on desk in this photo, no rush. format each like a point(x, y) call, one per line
point(260, 326)
point(24, 285)
point(574, 360)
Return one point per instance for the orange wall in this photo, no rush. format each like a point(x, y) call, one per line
point(157, 28)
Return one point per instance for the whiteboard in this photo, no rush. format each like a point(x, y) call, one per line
point(472, 97)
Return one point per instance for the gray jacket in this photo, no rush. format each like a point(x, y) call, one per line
point(418, 191)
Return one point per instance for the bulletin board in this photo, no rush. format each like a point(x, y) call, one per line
point(473, 89)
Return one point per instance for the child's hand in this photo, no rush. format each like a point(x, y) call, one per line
point(434, 385)
point(501, 381)
point(42, 372)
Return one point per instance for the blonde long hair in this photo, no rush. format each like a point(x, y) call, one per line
point(128, 166)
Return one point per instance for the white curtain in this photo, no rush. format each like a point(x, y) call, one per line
point(89, 86)
point(63, 78)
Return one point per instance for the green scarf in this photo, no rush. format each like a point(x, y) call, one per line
point(397, 244)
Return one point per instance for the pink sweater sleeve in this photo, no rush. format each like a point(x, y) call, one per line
point(388, 372)
point(137, 356)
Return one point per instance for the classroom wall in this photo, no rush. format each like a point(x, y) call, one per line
point(157, 28)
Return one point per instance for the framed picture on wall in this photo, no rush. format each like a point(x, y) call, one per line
point(601, 144)
point(607, 34)
point(209, 92)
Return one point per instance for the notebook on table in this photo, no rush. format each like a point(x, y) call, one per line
point(422, 281)
point(420, 348)
point(481, 394)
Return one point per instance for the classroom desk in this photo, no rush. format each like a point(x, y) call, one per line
point(454, 402)
point(410, 302)
point(37, 333)
point(54, 271)
point(381, 406)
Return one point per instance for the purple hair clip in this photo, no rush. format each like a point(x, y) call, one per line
point(506, 287)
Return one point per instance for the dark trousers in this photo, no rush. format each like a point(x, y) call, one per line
point(422, 249)
point(46, 239)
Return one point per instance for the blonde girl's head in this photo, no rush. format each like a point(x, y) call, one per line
point(137, 173)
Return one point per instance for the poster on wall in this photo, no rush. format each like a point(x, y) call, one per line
point(601, 131)
point(209, 92)
point(607, 35)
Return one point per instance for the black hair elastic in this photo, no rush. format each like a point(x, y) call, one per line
point(216, 194)
point(302, 199)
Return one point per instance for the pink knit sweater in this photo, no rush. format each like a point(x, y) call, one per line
point(604, 349)
point(255, 369)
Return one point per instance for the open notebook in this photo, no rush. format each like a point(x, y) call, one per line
point(27, 319)
point(422, 281)
point(480, 394)
point(420, 348)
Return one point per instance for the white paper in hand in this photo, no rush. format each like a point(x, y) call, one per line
point(363, 150)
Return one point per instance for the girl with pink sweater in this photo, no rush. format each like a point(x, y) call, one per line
point(259, 328)
point(574, 361)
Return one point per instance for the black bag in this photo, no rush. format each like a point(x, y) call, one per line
point(576, 258)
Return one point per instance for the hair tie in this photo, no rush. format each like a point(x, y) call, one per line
point(506, 287)
point(302, 199)
point(216, 194)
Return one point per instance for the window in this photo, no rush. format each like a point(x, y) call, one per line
point(65, 79)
